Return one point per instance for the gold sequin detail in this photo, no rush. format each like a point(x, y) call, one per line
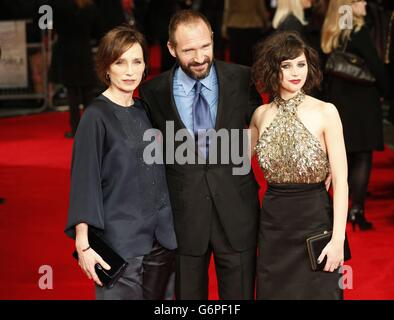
point(287, 152)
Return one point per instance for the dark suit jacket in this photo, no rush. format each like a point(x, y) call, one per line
point(194, 187)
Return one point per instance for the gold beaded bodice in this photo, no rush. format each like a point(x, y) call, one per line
point(287, 152)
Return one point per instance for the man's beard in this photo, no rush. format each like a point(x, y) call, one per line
point(192, 74)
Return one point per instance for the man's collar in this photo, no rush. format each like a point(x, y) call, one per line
point(188, 82)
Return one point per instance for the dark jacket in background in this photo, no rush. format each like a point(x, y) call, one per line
point(378, 20)
point(291, 23)
point(140, 12)
point(158, 19)
point(245, 23)
point(213, 10)
point(72, 58)
point(111, 13)
point(307, 32)
point(359, 105)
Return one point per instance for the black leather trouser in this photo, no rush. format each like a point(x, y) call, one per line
point(149, 277)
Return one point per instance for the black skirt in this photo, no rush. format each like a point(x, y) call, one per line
point(291, 213)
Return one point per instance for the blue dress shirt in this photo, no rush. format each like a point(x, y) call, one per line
point(183, 90)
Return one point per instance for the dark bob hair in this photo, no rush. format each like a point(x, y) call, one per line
point(114, 44)
point(281, 46)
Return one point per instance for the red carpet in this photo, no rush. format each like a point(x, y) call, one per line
point(34, 179)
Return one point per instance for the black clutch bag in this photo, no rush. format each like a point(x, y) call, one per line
point(117, 263)
point(315, 245)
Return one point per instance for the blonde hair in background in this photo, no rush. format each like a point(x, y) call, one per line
point(332, 34)
point(284, 8)
point(83, 3)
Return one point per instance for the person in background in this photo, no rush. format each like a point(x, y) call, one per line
point(76, 22)
point(315, 16)
point(358, 104)
point(389, 61)
point(290, 16)
point(112, 13)
point(158, 19)
point(213, 10)
point(244, 24)
point(140, 12)
point(380, 20)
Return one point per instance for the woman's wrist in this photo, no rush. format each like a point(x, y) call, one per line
point(81, 238)
point(338, 239)
point(81, 244)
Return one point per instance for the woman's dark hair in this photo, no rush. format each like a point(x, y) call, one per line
point(269, 54)
point(114, 44)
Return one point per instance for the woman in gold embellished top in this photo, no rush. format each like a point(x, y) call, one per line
point(299, 142)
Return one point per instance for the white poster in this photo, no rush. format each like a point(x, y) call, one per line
point(13, 60)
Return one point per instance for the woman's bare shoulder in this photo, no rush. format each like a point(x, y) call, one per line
point(261, 111)
point(325, 108)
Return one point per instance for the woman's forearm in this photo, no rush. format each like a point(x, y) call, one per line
point(81, 239)
point(341, 191)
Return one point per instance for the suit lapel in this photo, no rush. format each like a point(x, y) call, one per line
point(227, 89)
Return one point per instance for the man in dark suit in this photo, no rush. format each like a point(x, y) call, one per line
point(215, 210)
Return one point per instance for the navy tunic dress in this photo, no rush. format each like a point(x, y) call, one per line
point(112, 188)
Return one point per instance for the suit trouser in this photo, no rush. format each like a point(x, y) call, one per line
point(235, 270)
point(149, 277)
